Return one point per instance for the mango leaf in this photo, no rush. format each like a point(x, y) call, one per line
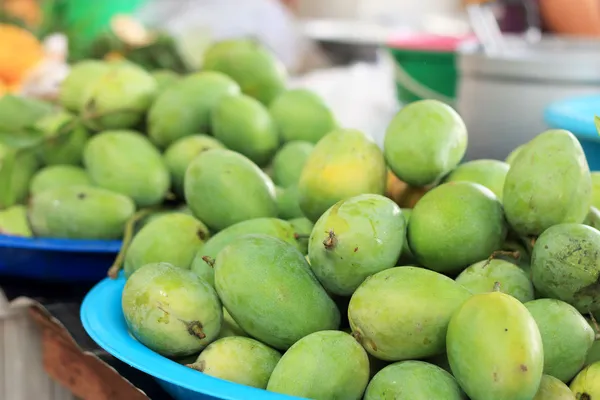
point(26, 137)
point(7, 165)
point(16, 113)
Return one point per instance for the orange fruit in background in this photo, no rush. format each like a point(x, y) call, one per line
point(402, 193)
point(19, 51)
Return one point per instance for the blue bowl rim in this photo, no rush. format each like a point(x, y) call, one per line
point(580, 125)
point(65, 245)
point(151, 363)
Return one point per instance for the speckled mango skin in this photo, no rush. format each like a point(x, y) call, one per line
point(66, 150)
point(587, 382)
point(495, 348)
point(173, 238)
point(126, 162)
point(79, 212)
point(489, 173)
point(58, 176)
point(162, 304)
point(223, 188)
point(482, 276)
point(553, 389)
point(325, 365)
point(424, 141)
point(413, 380)
point(345, 163)
point(548, 184)
point(566, 335)
point(565, 265)
point(179, 111)
point(368, 233)
point(268, 288)
point(238, 359)
point(289, 162)
point(455, 225)
point(402, 313)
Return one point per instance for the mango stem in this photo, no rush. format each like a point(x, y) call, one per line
point(496, 287)
point(330, 241)
point(210, 261)
point(514, 254)
point(299, 236)
point(595, 323)
point(198, 366)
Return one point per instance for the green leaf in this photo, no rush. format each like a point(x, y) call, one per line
point(16, 113)
point(7, 166)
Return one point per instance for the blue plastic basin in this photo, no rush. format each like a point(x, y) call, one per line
point(577, 115)
point(102, 318)
point(60, 260)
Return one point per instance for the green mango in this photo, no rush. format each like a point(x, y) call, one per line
point(173, 238)
point(402, 313)
point(270, 291)
point(238, 359)
point(355, 239)
point(164, 78)
point(58, 176)
point(482, 276)
point(180, 111)
point(593, 355)
point(180, 154)
point(82, 76)
point(595, 188)
point(13, 222)
point(593, 218)
point(495, 348)
point(289, 162)
point(303, 227)
point(566, 335)
point(17, 168)
point(489, 173)
point(80, 212)
point(553, 389)
point(406, 256)
point(301, 114)
point(564, 265)
point(513, 154)
point(202, 266)
point(56, 148)
point(244, 125)
point(229, 326)
point(535, 197)
point(523, 259)
point(413, 380)
point(441, 360)
point(223, 188)
point(170, 310)
point(345, 163)
point(126, 162)
point(454, 225)
point(119, 98)
point(586, 384)
point(424, 141)
point(250, 64)
point(288, 204)
point(325, 365)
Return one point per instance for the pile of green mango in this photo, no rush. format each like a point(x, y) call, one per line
point(267, 245)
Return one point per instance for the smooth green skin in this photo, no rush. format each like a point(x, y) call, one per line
point(553, 389)
point(180, 111)
point(566, 335)
point(13, 222)
point(548, 184)
point(174, 238)
point(64, 150)
point(238, 359)
point(250, 64)
point(230, 327)
point(489, 173)
point(301, 114)
point(126, 162)
point(595, 189)
point(424, 141)
point(482, 276)
point(302, 226)
point(413, 380)
point(455, 225)
point(122, 95)
point(268, 288)
point(244, 125)
point(593, 218)
point(495, 348)
point(82, 75)
point(406, 254)
point(18, 177)
point(513, 154)
point(162, 302)
point(164, 78)
point(180, 154)
point(368, 234)
point(223, 188)
point(288, 204)
point(80, 212)
point(402, 313)
point(565, 265)
point(345, 163)
point(289, 162)
point(586, 384)
point(58, 176)
point(593, 355)
point(326, 365)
